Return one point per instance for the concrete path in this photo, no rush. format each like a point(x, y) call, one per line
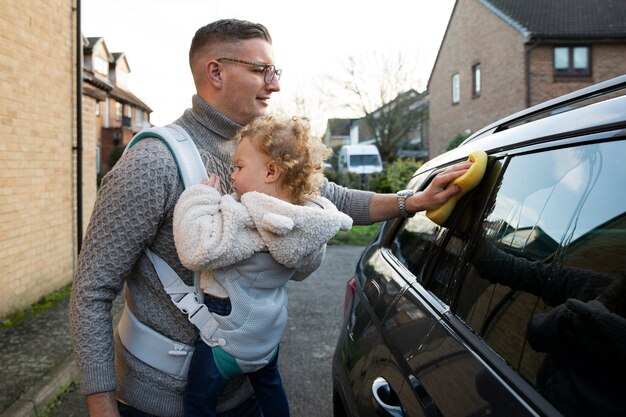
point(37, 362)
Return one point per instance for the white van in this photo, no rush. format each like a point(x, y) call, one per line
point(359, 159)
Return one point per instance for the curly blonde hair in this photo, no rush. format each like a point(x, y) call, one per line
point(289, 143)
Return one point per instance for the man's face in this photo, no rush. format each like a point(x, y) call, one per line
point(245, 94)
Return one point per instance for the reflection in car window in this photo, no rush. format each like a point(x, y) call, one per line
point(415, 243)
point(556, 231)
point(417, 246)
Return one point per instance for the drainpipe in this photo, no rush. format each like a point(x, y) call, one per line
point(528, 75)
point(79, 131)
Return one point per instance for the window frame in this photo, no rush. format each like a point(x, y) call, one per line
point(119, 111)
point(456, 88)
point(476, 80)
point(106, 117)
point(138, 117)
point(571, 71)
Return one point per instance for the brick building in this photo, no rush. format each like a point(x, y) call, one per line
point(38, 146)
point(121, 114)
point(500, 56)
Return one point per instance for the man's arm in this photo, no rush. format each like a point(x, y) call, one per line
point(127, 214)
point(102, 404)
point(384, 206)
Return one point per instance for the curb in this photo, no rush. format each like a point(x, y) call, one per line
point(46, 390)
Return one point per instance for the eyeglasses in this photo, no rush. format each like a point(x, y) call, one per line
point(269, 70)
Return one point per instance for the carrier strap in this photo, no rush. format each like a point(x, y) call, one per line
point(146, 344)
point(152, 348)
point(183, 149)
point(186, 298)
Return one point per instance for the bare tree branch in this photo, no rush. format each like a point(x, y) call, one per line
point(382, 91)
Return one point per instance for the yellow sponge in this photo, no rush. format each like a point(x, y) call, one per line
point(467, 182)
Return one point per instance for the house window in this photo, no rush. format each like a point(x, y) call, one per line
point(101, 65)
point(138, 118)
point(476, 80)
point(572, 61)
point(105, 119)
point(456, 89)
point(121, 79)
point(97, 160)
point(118, 111)
point(97, 108)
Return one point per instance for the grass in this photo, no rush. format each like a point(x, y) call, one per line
point(357, 235)
point(65, 390)
point(39, 307)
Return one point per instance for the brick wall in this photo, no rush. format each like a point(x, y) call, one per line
point(90, 142)
point(475, 36)
point(608, 60)
point(37, 166)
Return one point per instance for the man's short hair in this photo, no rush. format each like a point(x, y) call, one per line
point(227, 31)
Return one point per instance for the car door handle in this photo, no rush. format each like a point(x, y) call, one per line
point(430, 408)
point(385, 401)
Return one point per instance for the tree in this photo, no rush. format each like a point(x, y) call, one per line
point(392, 124)
point(381, 89)
point(303, 104)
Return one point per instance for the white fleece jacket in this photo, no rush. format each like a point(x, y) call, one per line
point(213, 231)
point(247, 251)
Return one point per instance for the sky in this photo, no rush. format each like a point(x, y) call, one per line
point(312, 40)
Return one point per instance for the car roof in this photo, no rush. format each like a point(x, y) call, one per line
point(566, 116)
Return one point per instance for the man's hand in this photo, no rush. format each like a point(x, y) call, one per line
point(385, 206)
point(102, 404)
point(438, 192)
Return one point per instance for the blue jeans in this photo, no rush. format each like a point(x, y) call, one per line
point(205, 384)
point(250, 408)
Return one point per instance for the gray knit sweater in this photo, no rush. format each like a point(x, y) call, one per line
point(134, 210)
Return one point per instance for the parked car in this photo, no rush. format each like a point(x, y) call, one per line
point(359, 159)
point(430, 328)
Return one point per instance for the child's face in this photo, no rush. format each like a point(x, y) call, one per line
point(250, 169)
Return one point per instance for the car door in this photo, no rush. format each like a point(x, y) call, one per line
point(553, 231)
point(359, 335)
point(383, 378)
point(422, 360)
point(561, 206)
point(422, 365)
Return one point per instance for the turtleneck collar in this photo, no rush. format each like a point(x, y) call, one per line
point(212, 119)
point(205, 115)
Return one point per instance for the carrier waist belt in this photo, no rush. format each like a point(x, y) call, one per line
point(152, 348)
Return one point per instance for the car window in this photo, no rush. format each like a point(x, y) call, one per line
point(418, 243)
point(556, 229)
point(415, 243)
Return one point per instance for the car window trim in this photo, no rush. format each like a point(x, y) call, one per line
point(431, 301)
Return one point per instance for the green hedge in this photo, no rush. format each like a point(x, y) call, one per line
point(394, 177)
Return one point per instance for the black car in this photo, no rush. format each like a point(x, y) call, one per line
point(470, 318)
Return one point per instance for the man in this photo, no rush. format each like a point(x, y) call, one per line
point(232, 66)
